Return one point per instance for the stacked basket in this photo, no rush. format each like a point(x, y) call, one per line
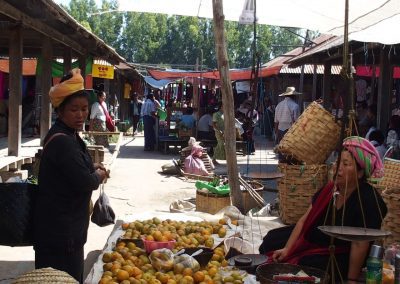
point(391, 223)
point(297, 187)
point(391, 173)
point(313, 137)
point(309, 141)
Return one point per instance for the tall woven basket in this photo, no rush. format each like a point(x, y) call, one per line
point(312, 137)
point(391, 173)
point(391, 223)
point(297, 187)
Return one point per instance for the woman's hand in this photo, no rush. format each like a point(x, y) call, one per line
point(280, 254)
point(102, 174)
point(99, 166)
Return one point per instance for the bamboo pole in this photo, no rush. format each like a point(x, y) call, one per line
point(227, 100)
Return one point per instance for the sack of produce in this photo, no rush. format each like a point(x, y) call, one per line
point(184, 261)
point(162, 259)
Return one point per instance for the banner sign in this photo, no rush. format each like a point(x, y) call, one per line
point(103, 71)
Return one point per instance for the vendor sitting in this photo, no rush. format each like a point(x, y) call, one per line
point(187, 120)
point(305, 244)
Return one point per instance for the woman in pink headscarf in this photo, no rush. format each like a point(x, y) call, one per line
point(305, 244)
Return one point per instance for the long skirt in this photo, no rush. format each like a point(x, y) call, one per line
point(99, 125)
point(70, 261)
point(277, 238)
point(149, 132)
point(219, 150)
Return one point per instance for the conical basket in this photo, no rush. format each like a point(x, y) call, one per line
point(313, 137)
point(45, 276)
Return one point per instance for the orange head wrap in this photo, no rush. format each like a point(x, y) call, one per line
point(59, 92)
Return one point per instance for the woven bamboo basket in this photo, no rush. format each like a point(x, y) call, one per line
point(312, 138)
point(211, 203)
point(45, 276)
point(297, 187)
point(391, 173)
point(391, 223)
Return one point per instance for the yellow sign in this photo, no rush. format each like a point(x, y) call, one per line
point(103, 71)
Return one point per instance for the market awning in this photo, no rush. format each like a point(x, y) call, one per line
point(235, 74)
point(158, 84)
point(366, 71)
point(28, 66)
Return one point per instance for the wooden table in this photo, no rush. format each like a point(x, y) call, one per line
point(165, 142)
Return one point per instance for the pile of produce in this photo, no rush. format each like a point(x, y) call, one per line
point(130, 264)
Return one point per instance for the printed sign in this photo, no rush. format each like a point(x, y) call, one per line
point(103, 71)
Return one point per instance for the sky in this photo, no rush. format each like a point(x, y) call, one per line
point(66, 2)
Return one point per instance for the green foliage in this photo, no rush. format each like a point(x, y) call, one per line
point(177, 40)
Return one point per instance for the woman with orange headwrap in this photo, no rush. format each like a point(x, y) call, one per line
point(67, 177)
point(356, 204)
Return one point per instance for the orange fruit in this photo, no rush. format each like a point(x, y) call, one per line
point(149, 238)
point(136, 271)
point(157, 235)
point(122, 275)
point(198, 276)
point(212, 271)
point(187, 271)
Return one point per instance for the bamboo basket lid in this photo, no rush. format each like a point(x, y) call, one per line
point(45, 276)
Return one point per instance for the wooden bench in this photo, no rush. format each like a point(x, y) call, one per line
point(12, 163)
point(242, 147)
point(165, 142)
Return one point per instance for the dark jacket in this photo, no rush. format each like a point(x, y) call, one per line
point(66, 181)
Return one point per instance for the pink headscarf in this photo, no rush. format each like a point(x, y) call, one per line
point(366, 156)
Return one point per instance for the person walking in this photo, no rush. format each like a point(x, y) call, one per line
point(67, 178)
point(148, 113)
point(136, 107)
point(218, 125)
point(286, 113)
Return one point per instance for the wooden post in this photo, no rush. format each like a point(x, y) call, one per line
point(384, 90)
point(15, 92)
point(67, 59)
point(82, 65)
point(327, 85)
point(227, 100)
point(45, 113)
point(314, 84)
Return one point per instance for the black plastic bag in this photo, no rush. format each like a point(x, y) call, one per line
point(103, 214)
point(16, 213)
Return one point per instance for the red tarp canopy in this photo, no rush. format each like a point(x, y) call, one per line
point(366, 71)
point(236, 74)
point(28, 66)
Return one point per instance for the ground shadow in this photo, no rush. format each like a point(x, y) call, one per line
point(10, 270)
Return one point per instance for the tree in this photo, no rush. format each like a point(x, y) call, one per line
point(172, 40)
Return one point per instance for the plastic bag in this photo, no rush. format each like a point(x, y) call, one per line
point(103, 214)
point(162, 260)
point(185, 261)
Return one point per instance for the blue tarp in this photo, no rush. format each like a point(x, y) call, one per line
point(159, 84)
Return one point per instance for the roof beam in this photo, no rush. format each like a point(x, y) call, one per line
point(27, 21)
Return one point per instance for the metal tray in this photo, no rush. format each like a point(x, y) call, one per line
point(354, 233)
